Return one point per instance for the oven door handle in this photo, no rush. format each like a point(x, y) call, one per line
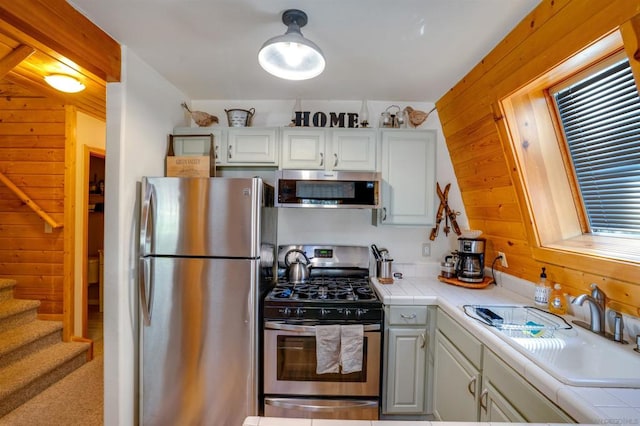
point(276, 325)
point(296, 404)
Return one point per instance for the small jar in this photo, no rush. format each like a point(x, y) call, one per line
point(448, 268)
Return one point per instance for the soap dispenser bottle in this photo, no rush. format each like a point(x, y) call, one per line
point(557, 301)
point(541, 296)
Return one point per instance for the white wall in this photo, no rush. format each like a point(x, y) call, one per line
point(90, 132)
point(352, 226)
point(141, 111)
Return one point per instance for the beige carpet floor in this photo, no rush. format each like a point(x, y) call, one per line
point(75, 400)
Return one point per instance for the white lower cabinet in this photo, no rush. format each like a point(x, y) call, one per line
point(509, 394)
point(457, 366)
point(471, 383)
point(405, 381)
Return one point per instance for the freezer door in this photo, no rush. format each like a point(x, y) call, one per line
point(212, 217)
point(198, 351)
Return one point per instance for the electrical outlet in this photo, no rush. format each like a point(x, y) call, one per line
point(426, 249)
point(503, 259)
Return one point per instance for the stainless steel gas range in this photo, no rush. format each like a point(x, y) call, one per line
point(322, 336)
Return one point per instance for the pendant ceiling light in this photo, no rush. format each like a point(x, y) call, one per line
point(291, 56)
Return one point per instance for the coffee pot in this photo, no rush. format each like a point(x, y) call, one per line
point(470, 263)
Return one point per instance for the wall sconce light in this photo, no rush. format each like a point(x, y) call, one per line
point(291, 56)
point(64, 83)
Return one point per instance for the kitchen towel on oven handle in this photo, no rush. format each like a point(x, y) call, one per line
point(327, 348)
point(337, 346)
point(351, 343)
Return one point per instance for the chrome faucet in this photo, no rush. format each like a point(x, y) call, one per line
point(597, 306)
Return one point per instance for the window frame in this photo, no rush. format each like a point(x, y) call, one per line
point(554, 238)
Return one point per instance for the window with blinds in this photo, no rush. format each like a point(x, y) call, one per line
point(600, 115)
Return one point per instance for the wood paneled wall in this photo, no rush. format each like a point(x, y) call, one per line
point(479, 145)
point(32, 156)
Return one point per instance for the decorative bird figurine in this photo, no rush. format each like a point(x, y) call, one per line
point(417, 117)
point(202, 119)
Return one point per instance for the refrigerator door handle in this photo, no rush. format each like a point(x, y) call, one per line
point(145, 298)
point(145, 217)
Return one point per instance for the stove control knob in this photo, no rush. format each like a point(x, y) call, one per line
point(300, 312)
point(285, 312)
point(347, 312)
point(360, 313)
point(324, 312)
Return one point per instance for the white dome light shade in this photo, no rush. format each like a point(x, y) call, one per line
point(291, 56)
point(64, 83)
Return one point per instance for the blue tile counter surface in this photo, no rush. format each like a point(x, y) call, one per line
point(585, 404)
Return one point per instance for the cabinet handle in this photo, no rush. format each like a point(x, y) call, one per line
point(384, 214)
point(229, 152)
point(484, 395)
point(321, 159)
point(405, 316)
point(216, 151)
point(335, 162)
point(424, 341)
point(471, 387)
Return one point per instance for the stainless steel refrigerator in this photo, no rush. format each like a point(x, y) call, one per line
point(206, 259)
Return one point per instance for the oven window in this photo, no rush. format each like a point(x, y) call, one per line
point(297, 362)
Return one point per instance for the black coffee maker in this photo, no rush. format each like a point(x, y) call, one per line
point(470, 265)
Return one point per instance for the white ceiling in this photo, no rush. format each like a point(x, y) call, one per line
point(404, 50)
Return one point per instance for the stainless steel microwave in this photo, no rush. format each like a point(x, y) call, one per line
point(327, 189)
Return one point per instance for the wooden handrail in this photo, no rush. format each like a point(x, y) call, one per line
point(29, 202)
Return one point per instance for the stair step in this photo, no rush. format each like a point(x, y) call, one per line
point(16, 312)
point(22, 380)
point(22, 340)
point(6, 288)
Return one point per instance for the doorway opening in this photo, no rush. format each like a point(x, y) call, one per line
point(93, 256)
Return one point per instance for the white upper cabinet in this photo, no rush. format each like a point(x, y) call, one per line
point(248, 145)
point(196, 141)
point(234, 146)
point(408, 177)
point(329, 149)
point(353, 149)
point(303, 149)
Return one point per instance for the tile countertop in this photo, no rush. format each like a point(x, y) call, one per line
point(584, 404)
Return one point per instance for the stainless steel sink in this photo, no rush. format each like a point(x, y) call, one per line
point(573, 356)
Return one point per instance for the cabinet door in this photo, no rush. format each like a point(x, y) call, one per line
point(494, 408)
point(406, 371)
point(303, 149)
point(353, 150)
point(252, 146)
point(194, 145)
point(408, 173)
point(456, 384)
point(527, 402)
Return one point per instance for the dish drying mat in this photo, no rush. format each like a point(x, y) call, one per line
point(518, 321)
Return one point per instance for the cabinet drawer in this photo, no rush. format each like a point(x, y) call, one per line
point(407, 315)
point(461, 338)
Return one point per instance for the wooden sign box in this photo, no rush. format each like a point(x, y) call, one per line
point(191, 165)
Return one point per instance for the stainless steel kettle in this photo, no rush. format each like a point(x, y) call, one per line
point(297, 271)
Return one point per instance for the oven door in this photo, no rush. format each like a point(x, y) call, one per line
point(290, 364)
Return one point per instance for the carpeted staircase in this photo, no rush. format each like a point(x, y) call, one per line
point(32, 353)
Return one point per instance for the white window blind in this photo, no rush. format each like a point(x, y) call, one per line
point(601, 119)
